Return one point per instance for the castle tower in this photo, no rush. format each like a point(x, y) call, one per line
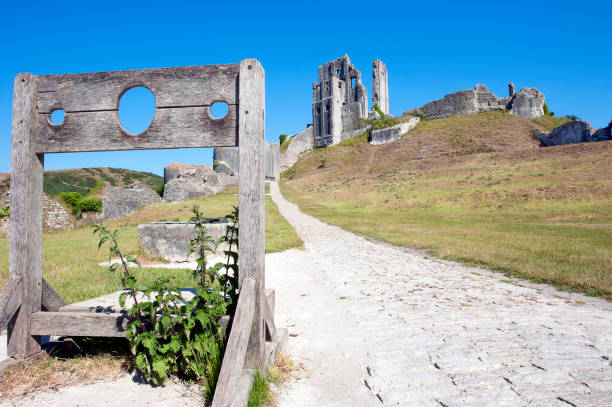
point(339, 102)
point(380, 86)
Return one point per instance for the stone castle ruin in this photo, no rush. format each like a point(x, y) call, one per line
point(380, 86)
point(339, 102)
point(527, 102)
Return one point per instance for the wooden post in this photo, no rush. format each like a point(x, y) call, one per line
point(25, 253)
point(251, 136)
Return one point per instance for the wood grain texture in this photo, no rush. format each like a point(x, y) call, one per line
point(51, 301)
point(187, 127)
point(251, 136)
point(79, 324)
point(10, 300)
point(25, 252)
point(269, 316)
point(236, 348)
point(172, 87)
point(242, 389)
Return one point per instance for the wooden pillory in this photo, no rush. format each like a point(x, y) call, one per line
point(183, 96)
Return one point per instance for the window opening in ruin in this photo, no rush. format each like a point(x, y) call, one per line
point(57, 117)
point(352, 83)
point(136, 109)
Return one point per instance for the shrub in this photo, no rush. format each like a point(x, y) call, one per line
point(282, 138)
point(71, 198)
point(4, 211)
point(384, 122)
point(90, 205)
point(547, 112)
point(377, 110)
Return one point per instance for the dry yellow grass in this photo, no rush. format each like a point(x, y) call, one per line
point(461, 188)
point(52, 374)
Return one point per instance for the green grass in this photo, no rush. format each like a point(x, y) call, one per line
point(284, 145)
point(261, 394)
point(70, 258)
point(540, 213)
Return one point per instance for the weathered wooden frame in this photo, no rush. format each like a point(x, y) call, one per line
point(182, 119)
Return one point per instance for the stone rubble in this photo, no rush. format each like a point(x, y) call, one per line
point(182, 182)
point(575, 131)
point(444, 334)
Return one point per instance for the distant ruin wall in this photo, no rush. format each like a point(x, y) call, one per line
point(527, 102)
point(271, 162)
point(380, 86)
point(231, 156)
point(298, 145)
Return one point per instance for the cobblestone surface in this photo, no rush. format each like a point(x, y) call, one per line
point(443, 334)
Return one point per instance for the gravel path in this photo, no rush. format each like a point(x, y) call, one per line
point(431, 332)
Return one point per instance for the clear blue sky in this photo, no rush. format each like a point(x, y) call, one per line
point(431, 48)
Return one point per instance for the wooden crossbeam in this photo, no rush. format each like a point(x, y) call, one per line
point(10, 300)
point(183, 97)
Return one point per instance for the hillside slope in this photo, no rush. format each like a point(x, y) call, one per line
point(83, 179)
point(476, 188)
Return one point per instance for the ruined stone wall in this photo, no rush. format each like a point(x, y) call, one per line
point(230, 155)
point(192, 181)
point(339, 101)
point(55, 217)
point(117, 201)
point(271, 162)
point(575, 131)
point(380, 86)
point(527, 102)
point(299, 144)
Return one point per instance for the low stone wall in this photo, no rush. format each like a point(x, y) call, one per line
point(393, 133)
point(170, 240)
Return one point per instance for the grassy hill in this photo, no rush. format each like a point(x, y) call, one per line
point(83, 179)
point(474, 188)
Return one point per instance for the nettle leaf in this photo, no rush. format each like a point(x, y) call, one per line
point(130, 281)
point(133, 259)
point(122, 298)
point(113, 267)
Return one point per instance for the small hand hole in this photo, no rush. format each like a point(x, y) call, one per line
point(218, 110)
point(57, 117)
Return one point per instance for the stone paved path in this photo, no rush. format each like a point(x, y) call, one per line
point(443, 334)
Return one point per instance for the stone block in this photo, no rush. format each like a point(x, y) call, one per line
point(576, 131)
point(393, 133)
point(170, 240)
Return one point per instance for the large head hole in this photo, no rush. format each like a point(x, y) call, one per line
point(57, 117)
point(218, 110)
point(136, 109)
